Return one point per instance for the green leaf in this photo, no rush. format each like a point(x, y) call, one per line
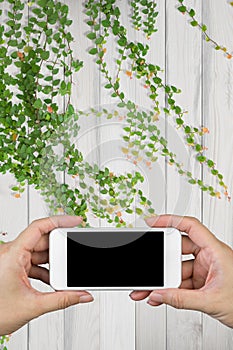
point(45, 55)
point(182, 9)
point(192, 13)
point(210, 163)
point(117, 12)
point(157, 80)
point(214, 172)
point(13, 43)
point(177, 109)
point(204, 28)
point(201, 159)
point(99, 40)
point(64, 9)
point(37, 104)
point(139, 211)
point(42, 3)
point(91, 36)
point(93, 51)
point(15, 188)
point(194, 23)
point(82, 185)
point(179, 121)
point(3, 52)
point(198, 148)
point(192, 181)
point(106, 23)
point(122, 41)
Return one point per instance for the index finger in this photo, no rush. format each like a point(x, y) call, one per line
point(196, 231)
point(32, 234)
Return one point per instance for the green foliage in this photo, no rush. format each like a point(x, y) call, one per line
point(3, 340)
point(142, 128)
point(195, 23)
point(144, 16)
point(32, 122)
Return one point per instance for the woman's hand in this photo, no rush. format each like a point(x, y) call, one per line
point(21, 259)
point(207, 280)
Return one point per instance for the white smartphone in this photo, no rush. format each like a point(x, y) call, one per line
point(115, 259)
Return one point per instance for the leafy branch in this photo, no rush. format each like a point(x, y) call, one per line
point(139, 140)
point(195, 23)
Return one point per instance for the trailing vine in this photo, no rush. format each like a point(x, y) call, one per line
point(32, 123)
point(144, 16)
point(37, 68)
point(37, 131)
point(142, 135)
point(195, 23)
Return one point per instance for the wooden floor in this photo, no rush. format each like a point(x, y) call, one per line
point(205, 76)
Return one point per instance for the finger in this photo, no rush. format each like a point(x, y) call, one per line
point(187, 284)
point(197, 232)
point(188, 247)
point(40, 257)
point(42, 244)
point(139, 294)
point(39, 273)
point(53, 301)
point(31, 235)
point(180, 298)
point(187, 269)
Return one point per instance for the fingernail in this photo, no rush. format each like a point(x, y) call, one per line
point(152, 303)
point(86, 298)
point(151, 220)
point(132, 293)
point(156, 298)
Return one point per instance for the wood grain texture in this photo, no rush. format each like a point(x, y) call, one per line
point(117, 321)
point(151, 323)
point(117, 312)
point(45, 332)
point(218, 112)
point(81, 323)
point(183, 69)
point(113, 321)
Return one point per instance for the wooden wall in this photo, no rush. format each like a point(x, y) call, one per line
point(205, 76)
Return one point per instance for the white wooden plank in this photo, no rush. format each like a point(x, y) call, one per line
point(218, 111)
point(151, 322)
point(116, 321)
point(13, 220)
point(184, 328)
point(117, 312)
point(46, 331)
point(81, 323)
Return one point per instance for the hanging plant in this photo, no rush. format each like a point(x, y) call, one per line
point(37, 68)
point(142, 135)
point(191, 13)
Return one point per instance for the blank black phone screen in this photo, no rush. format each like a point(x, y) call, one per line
point(139, 263)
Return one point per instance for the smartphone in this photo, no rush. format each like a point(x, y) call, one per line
point(114, 259)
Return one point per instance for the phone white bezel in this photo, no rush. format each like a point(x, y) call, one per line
point(58, 258)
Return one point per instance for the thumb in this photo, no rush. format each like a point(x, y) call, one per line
point(52, 301)
point(179, 298)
